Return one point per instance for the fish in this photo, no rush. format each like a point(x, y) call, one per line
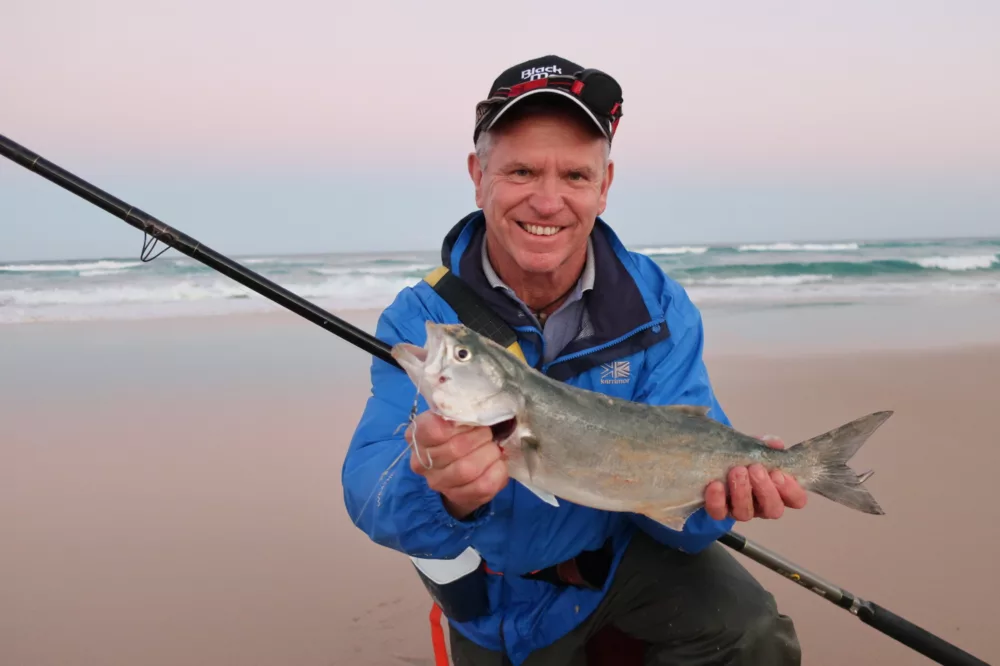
point(610, 453)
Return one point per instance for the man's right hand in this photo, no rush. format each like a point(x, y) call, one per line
point(466, 464)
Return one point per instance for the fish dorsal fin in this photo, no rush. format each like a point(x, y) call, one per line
point(693, 410)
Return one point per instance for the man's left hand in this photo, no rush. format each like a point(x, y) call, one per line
point(753, 493)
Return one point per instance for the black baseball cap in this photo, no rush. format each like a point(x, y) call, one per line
point(594, 91)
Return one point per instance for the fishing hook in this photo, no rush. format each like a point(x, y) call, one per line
point(416, 447)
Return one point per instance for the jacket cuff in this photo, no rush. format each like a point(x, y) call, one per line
point(699, 532)
point(433, 504)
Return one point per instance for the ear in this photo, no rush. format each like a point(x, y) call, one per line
point(476, 174)
point(609, 175)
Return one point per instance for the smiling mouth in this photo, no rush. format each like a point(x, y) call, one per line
point(540, 229)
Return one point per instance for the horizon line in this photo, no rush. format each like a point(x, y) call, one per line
point(735, 243)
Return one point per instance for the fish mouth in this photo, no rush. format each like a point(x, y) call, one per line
point(503, 430)
point(412, 356)
point(414, 359)
point(411, 359)
point(404, 350)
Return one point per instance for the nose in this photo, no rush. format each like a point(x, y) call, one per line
point(547, 199)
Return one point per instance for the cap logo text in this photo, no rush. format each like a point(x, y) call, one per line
point(539, 72)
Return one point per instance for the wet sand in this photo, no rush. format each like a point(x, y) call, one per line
point(170, 494)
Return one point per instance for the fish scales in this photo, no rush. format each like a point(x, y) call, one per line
point(632, 452)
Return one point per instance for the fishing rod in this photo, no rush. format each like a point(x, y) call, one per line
point(878, 617)
point(869, 612)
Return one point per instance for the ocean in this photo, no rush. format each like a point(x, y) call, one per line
point(757, 276)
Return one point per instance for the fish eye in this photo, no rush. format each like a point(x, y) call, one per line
point(462, 353)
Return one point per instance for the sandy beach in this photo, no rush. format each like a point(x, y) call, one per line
point(822, 182)
point(170, 493)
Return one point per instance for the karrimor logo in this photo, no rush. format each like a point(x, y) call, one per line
point(616, 372)
point(539, 72)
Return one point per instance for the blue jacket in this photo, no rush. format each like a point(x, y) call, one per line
point(640, 317)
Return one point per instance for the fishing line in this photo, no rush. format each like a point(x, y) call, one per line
point(384, 478)
point(413, 423)
point(380, 483)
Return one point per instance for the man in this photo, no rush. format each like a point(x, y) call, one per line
point(590, 313)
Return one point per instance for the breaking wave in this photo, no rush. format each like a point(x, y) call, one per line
point(126, 288)
point(762, 280)
point(408, 270)
point(683, 249)
point(102, 267)
point(961, 263)
point(843, 269)
point(798, 247)
point(355, 290)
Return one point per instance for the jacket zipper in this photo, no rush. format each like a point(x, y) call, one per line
point(606, 345)
point(541, 342)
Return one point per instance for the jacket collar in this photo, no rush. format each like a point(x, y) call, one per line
point(620, 304)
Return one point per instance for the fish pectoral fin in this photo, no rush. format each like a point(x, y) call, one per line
point(529, 447)
point(693, 410)
point(546, 497)
point(674, 517)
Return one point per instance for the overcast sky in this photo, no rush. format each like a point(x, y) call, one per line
point(295, 126)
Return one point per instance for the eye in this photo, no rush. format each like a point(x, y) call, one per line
point(462, 353)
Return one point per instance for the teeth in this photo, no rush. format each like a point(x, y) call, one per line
point(539, 230)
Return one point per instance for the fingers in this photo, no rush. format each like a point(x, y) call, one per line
point(769, 502)
point(433, 430)
point(740, 494)
point(466, 466)
point(464, 470)
point(454, 446)
point(792, 494)
point(715, 500)
point(753, 493)
point(464, 499)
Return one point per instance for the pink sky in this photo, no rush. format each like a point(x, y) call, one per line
point(889, 88)
point(299, 125)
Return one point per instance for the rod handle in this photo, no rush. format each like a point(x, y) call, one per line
point(915, 637)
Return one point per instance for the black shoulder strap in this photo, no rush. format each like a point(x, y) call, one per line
point(590, 568)
point(472, 310)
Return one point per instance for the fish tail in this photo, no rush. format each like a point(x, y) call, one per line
point(828, 454)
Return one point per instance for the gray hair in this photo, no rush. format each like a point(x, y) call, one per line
point(486, 139)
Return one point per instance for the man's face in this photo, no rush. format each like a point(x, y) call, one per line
point(545, 183)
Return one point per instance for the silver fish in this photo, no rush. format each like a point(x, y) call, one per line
point(609, 453)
